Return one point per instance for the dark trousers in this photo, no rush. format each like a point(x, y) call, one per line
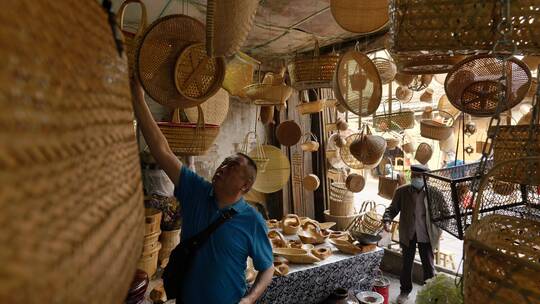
point(426, 256)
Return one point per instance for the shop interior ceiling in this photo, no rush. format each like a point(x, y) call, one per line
point(281, 27)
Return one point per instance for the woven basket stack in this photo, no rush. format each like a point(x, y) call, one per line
point(341, 206)
point(151, 246)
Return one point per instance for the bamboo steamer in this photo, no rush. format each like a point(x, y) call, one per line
point(355, 182)
point(311, 182)
point(361, 17)
point(288, 133)
point(423, 153)
point(149, 260)
point(152, 219)
point(169, 240)
point(277, 170)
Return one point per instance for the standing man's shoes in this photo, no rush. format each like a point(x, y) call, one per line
point(402, 298)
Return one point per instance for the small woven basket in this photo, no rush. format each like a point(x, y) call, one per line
point(310, 145)
point(368, 221)
point(259, 157)
point(341, 200)
point(396, 121)
point(435, 129)
point(423, 153)
point(239, 74)
point(367, 148)
point(311, 107)
point(313, 72)
point(189, 138)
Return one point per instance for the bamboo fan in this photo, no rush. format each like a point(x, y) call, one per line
point(215, 109)
point(257, 154)
point(473, 86)
point(357, 83)
point(276, 173)
point(228, 23)
point(361, 17)
point(161, 46)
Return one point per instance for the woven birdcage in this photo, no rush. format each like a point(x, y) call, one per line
point(501, 245)
point(72, 202)
point(311, 72)
point(474, 86)
point(461, 26)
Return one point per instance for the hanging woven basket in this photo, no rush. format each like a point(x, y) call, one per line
point(313, 72)
point(189, 138)
point(228, 23)
point(71, 193)
point(288, 133)
point(396, 121)
point(473, 86)
point(404, 94)
point(239, 74)
point(276, 173)
point(311, 107)
point(346, 155)
point(423, 153)
point(420, 64)
point(386, 68)
point(310, 144)
point(438, 128)
point(362, 17)
point(367, 148)
point(257, 153)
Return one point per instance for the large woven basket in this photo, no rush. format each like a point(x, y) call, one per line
point(341, 200)
point(473, 86)
point(189, 138)
point(511, 142)
point(462, 26)
point(367, 148)
point(312, 72)
point(396, 121)
point(71, 195)
point(228, 23)
point(130, 38)
point(438, 128)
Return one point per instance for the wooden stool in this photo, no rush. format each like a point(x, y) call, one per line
point(444, 259)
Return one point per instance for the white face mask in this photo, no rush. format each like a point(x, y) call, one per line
point(417, 183)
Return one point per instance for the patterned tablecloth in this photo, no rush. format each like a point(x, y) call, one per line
point(313, 283)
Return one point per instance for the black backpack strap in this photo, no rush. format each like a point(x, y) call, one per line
point(198, 240)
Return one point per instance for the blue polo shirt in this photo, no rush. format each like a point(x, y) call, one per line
point(217, 274)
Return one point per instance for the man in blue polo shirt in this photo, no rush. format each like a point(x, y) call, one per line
point(217, 274)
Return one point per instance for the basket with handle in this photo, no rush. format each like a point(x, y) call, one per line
point(272, 91)
point(310, 144)
point(388, 184)
point(396, 121)
point(260, 157)
point(438, 128)
point(131, 39)
point(367, 148)
point(189, 138)
point(368, 221)
point(312, 72)
point(341, 199)
point(239, 74)
point(501, 250)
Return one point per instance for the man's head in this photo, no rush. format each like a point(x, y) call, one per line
point(417, 180)
point(234, 176)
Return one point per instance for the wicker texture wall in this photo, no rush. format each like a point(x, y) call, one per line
point(70, 190)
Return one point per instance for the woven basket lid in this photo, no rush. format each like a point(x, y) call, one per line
point(228, 23)
point(421, 64)
point(215, 109)
point(71, 194)
point(357, 83)
point(162, 43)
point(473, 86)
point(277, 173)
point(360, 16)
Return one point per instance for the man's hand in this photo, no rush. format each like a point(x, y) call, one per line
point(388, 226)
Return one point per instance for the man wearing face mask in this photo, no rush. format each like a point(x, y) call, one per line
point(415, 227)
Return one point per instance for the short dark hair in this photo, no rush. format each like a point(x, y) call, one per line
point(250, 162)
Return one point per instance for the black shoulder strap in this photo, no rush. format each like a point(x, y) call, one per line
point(198, 240)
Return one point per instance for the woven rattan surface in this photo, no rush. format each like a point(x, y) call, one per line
point(197, 77)
point(310, 72)
point(360, 16)
point(131, 39)
point(423, 153)
point(463, 26)
point(419, 64)
point(238, 75)
point(215, 109)
point(473, 85)
point(70, 191)
point(189, 138)
point(277, 172)
point(161, 45)
point(345, 153)
point(367, 148)
point(357, 83)
point(386, 68)
point(228, 23)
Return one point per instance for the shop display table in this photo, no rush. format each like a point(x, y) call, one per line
point(312, 283)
